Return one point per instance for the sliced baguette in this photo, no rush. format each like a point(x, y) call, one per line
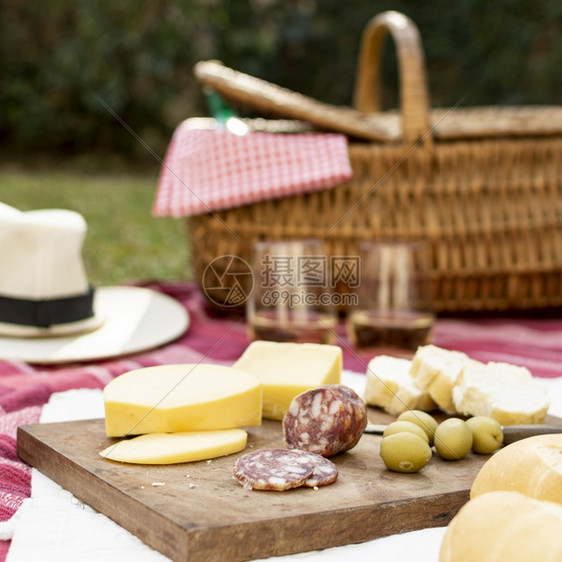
point(391, 387)
point(438, 370)
point(505, 392)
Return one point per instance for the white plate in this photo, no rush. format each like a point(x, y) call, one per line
point(136, 319)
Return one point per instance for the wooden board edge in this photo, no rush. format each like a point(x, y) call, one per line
point(388, 519)
point(246, 541)
point(161, 534)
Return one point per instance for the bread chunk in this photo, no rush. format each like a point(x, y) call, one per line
point(391, 387)
point(504, 526)
point(437, 370)
point(505, 392)
point(532, 466)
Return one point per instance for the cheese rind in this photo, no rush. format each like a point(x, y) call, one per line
point(288, 369)
point(171, 448)
point(391, 387)
point(174, 398)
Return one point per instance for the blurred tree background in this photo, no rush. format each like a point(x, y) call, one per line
point(65, 62)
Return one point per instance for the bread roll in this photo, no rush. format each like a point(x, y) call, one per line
point(532, 466)
point(437, 370)
point(504, 526)
point(391, 387)
point(505, 392)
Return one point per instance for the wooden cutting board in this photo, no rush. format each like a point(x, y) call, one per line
point(198, 511)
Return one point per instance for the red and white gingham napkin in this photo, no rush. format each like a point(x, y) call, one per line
point(211, 169)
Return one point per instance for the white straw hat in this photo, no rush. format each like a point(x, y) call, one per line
point(43, 285)
point(45, 293)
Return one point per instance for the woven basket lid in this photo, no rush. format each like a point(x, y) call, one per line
point(273, 100)
point(384, 126)
point(414, 120)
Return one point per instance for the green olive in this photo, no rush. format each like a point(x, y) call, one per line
point(453, 439)
point(404, 452)
point(426, 421)
point(401, 425)
point(487, 434)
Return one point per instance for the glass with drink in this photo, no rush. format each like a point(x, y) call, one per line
point(291, 299)
point(394, 297)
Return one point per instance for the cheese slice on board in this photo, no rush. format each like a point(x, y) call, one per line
point(190, 397)
point(287, 369)
point(170, 448)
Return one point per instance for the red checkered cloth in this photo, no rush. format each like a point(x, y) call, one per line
point(207, 170)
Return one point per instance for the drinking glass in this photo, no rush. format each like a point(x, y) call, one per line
point(291, 300)
point(394, 308)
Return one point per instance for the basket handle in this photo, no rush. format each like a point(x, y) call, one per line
point(414, 98)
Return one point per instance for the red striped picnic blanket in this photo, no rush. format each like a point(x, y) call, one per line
point(24, 388)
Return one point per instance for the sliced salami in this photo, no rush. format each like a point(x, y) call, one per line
point(325, 471)
point(326, 420)
point(273, 469)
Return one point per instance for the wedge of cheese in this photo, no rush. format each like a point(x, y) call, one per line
point(170, 448)
point(391, 387)
point(287, 369)
point(173, 398)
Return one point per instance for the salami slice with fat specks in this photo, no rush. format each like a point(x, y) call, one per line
point(273, 469)
point(326, 420)
point(325, 471)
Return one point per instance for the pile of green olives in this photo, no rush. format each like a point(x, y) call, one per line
point(406, 443)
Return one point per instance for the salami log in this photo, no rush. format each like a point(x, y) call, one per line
point(326, 420)
point(273, 469)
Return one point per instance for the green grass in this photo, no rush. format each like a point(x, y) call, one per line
point(124, 241)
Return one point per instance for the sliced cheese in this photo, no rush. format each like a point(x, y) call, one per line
point(287, 369)
point(173, 398)
point(391, 387)
point(171, 448)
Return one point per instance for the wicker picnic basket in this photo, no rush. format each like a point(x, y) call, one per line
point(482, 185)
